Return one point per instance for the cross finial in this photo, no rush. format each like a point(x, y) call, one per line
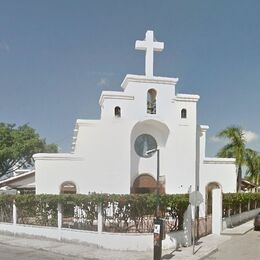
point(149, 46)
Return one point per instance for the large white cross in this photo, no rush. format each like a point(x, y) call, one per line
point(149, 46)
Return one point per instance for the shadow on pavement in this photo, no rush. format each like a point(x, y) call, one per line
point(170, 255)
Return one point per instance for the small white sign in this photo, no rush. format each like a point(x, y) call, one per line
point(156, 229)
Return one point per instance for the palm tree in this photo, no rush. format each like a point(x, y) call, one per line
point(235, 148)
point(253, 166)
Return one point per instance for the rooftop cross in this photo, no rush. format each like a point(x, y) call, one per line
point(149, 46)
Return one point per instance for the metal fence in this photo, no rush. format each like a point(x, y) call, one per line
point(123, 216)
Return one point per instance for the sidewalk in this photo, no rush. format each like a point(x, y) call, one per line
point(209, 244)
point(239, 230)
point(204, 247)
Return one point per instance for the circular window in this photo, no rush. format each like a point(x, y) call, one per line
point(144, 143)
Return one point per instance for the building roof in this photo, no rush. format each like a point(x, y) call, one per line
point(21, 181)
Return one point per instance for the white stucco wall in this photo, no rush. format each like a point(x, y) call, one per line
point(104, 153)
point(222, 171)
point(218, 170)
point(51, 173)
point(104, 158)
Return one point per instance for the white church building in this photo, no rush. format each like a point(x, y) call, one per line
point(110, 154)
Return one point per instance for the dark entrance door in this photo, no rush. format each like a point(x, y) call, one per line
point(145, 183)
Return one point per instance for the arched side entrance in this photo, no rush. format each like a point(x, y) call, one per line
point(208, 200)
point(68, 210)
point(68, 187)
point(145, 183)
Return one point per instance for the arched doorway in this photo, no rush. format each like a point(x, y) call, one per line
point(145, 183)
point(68, 187)
point(68, 209)
point(211, 186)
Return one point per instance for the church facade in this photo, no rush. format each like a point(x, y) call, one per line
point(144, 130)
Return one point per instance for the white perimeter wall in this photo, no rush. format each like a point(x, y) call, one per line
point(113, 241)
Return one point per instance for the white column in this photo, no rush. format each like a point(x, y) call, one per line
point(59, 215)
point(187, 226)
point(14, 213)
point(100, 219)
point(216, 211)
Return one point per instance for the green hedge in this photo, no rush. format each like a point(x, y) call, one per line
point(6, 208)
point(42, 209)
point(235, 203)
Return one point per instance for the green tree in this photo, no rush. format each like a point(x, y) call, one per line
point(49, 148)
point(235, 148)
point(17, 145)
point(253, 166)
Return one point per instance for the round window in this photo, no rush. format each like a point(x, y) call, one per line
point(144, 143)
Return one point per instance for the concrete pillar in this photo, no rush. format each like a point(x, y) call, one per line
point(59, 215)
point(187, 226)
point(14, 213)
point(100, 219)
point(216, 211)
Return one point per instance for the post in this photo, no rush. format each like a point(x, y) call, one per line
point(195, 199)
point(158, 223)
point(196, 204)
point(100, 219)
point(194, 226)
point(59, 215)
point(14, 213)
point(157, 249)
point(216, 211)
point(158, 185)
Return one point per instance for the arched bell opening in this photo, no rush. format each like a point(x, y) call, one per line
point(151, 101)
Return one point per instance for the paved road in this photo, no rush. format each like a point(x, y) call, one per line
point(245, 247)
point(40, 249)
point(20, 253)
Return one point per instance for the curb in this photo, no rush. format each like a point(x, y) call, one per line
point(237, 233)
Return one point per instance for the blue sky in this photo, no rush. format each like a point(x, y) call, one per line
point(56, 56)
